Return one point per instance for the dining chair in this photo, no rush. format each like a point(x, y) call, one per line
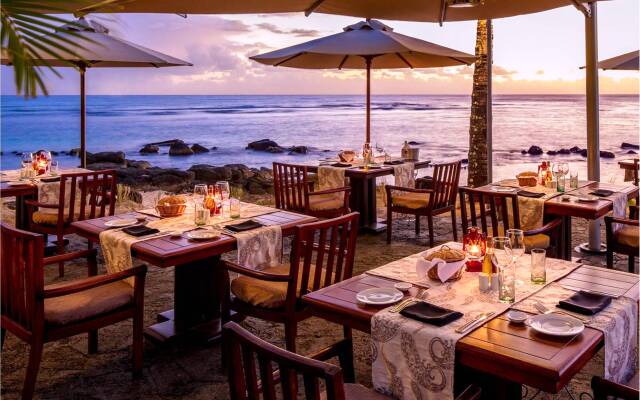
point(604, 389)
point(294, 191)
point(322, 254)
point(439, 199)
point(38, 314)
point(320, 380)
point(490, 212)
point(82, 195)
point(624, 240)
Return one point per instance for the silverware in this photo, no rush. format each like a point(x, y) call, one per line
point(542, 309)
point(474, 323)
point(408, 301)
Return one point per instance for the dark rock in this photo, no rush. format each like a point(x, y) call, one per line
point(54, 153)
point(535, 151)
point(626, 145)
point(196, 148)
point(180, 149)
point(103, 165)
point(171, 177)
point(17, 153)
point(214, 148)
point(138, 164)
point(261, 182)
point(115, 157)
point(150, 149)
point(583, 152)
point(167, 142)
point(523, 151)
point(465, 161)
point(631, 152)
point(607, 154)
point(262, 145)
point(75, 151)
point(414, 143)
point(298, 150)
point(575, 150)
point(211, 174)
point(564, 151)
point(240, 172)
point(552, 152)
point(274, 149)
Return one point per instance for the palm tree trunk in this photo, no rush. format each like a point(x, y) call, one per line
point(478, 151)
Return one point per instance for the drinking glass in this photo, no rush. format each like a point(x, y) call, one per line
point(538, 268)
point(199, 193)
point(27, 166)
point(557, 172)
point(53, 168)
point(234, 208)
point(573, 179)
point(516, 247)
point(201, 214)
point(225, 194)
point(506, 270)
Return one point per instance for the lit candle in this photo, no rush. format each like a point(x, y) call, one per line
point(474, 250)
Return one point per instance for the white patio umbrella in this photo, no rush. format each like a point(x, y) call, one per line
point(97, 49)
point(627, 62)
point(366, 45)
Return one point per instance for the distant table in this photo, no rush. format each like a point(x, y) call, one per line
point(363, 192)
point(511, 355)
point(198, 279)
point(22, 194)
point(628, 166)
point(555, 206)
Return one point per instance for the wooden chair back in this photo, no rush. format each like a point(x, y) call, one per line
point(329, 246)
point(90, 195)
point(446, 178)
point(290, 186)
point(251, 370)
point(22, 278)
point(604, 389)
point(635, 171)
point(488, 210)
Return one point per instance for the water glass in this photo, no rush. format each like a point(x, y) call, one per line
point(506, 270)
point(201, 214)
point(199, 193)
point(538, 268)
point(234, 208)
point(560, 184)
point(223, 187)
point(573, 179)
point(53, 168)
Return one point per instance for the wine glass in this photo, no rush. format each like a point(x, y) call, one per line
point(223, 187)
point(516, 247)
point(199, 193)
point(503, 259)
point(27, 166)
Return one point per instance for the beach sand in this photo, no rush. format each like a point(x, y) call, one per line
point(194, 372)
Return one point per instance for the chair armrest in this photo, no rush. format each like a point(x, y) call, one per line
point(70, 256)
point(330, 191)
point(625, 221)
point(548, 227)
point(33, 203)
point(472, 392)
point(407, 189)
point(95, 281)
point(265, 276)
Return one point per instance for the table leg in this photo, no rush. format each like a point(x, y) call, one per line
point(22, 216)
point(363, 200)
point(493, 387)
point(196, 313)
point(566, 238)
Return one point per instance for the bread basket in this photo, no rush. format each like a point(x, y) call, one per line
point(528, 178)
point(449, 255)
point(171, 206)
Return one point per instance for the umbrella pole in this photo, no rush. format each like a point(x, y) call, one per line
point(83, 119)
point(368, 137)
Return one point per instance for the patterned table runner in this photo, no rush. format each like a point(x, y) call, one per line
point(531, 209)
point(413, 360)
point(330, 177)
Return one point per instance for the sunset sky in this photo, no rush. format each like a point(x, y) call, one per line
point(538, 53)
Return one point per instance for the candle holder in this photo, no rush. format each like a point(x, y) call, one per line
point(40, 162)
point(475, 247)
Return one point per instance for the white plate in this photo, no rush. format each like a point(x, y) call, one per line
point(119, 223)
point(379, 296)
point(556, 324)
point(201, 234)
point(517, 317)
point(588, 199)
point(502, 189)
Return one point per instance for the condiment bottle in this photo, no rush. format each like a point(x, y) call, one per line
point(404, 153)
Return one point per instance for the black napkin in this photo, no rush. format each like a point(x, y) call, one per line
point(51, 179)
point(139, 230)
point(394, 162)
point(431, 314)
point(585, 303)
point(526, 193)
point(602, 192)
point(244, 226)
point(371, 167)
point(341, 165)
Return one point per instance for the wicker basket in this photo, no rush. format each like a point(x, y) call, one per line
point(171, 210)
point(445, 253)
point(433, 274)
point(527, 179)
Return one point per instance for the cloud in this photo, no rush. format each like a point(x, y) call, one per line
point(540, 72)
point(503, 72)
point(295, 32)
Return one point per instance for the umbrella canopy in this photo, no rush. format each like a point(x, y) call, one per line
point(366, 45)
point(404, 10)
point(627, 61)
point(97, 49)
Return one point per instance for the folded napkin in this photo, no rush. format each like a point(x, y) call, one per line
point(139, 230)
point(602, 192)
point(430, 314)
point(445, 269)
point(394, 162)
point(585, 303)
point(244, 226)
point(534, 195)
point(340, 165)
point(260, 248)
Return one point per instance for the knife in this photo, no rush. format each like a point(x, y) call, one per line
point(474, 323)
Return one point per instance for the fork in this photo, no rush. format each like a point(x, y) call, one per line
point(408, 301)
point(542, 309)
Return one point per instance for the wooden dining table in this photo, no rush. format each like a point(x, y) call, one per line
point(363, 191)
point(498, 355)
point(628, 165)
point(198, 278)
point(557, 207)
point(22, 194)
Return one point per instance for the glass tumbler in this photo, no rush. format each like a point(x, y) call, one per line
point(234, 208)
point(538, 267)
point(506, 270)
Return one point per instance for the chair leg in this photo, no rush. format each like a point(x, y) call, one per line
point(430, 221)
point(389, 222)
point(632, 264)
point(290, 333)
point(60, 251)
point(3, 335)
point(609, 257)
point(35, 356)
point(93, 342)
point(138, 343)
point(417, 225)
point(453, 224)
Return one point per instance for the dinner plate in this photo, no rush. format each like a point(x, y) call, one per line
point(201, 234)
point(502, 189)
point(556, 324)
point(119, 223)
point(587, 199)
point(379, 296)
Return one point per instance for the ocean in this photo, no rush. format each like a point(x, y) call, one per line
point(324, 123)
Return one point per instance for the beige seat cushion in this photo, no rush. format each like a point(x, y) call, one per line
point(410, 200)
point(51, 219)
point(539, 241)
point(627, 235)
point(86, 304)
point(268, 294)
point(322, 202)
